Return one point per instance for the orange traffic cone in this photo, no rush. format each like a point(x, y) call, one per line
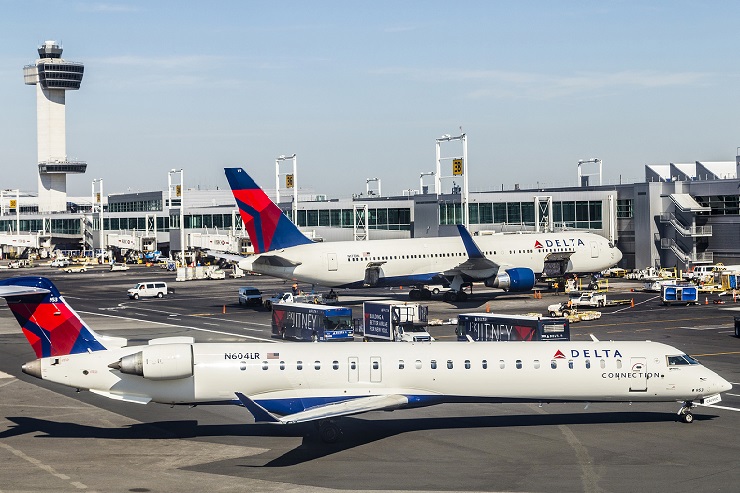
point(706, 300)
point(632, 303)
point(224, 310)
point(488, 308)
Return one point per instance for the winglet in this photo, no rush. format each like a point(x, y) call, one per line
point(470, 246)
point(268, 228)
point(261, 415)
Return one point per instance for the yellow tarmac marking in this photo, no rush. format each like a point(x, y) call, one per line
point(715, 354)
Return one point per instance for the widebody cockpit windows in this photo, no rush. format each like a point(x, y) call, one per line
point(681, 359)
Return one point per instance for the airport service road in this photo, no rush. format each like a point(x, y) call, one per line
point(53, 439)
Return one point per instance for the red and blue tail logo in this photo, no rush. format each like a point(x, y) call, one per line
point(267, 226)
point(49, 324)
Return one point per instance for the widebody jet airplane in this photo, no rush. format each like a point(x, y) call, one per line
point(285, 383)
point(507, 261)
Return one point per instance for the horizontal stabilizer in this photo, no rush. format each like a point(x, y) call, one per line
point(11, 290)
point(476, 259)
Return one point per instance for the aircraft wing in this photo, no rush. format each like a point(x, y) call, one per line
point(325, 411)
point(228, 256)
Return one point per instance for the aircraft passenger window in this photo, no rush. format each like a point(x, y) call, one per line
point(353, 365)
point(264, 365)
point(501, 364)
point(317, 365)
point(518, 364)
point(619, 364)
point(434, 364)
point(484, 364)
point(299, 365)
point(418, 364)
point(282, 365)
point(536, 364)
point(553, 364)
point(449, 364)
point(467, 364)
point(588, 364)
point(602, 364)
point(242, 365)
point(335, 365)
point(570, 364)
point(400, 364)
point(376, 365)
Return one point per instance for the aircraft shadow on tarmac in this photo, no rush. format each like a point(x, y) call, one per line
point(356, 432)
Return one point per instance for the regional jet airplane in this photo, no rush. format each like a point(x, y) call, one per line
point(287, 383)
point(507, 261)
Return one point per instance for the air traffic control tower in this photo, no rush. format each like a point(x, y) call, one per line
point(52, 77)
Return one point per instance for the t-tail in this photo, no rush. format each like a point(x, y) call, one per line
point(51, 326)
point(268, 228)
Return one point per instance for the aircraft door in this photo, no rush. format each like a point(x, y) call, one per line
point(376, 372)
point(639, 371)
point(354, 369)
point(332, 258)
point(594, 249)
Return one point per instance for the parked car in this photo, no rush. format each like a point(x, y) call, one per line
point(249, 295)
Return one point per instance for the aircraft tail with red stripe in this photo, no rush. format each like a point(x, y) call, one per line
point(268, 228)
point(51, 326)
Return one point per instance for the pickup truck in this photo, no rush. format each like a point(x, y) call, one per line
point(289, 297)
point(587, 298)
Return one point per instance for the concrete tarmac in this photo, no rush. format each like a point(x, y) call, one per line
point(55, 439)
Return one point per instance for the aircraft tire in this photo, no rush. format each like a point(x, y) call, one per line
point(461, 296)
point(687, 417)
point(449, 296)
point(414, 295)
point(426, 294)
point(329, 432)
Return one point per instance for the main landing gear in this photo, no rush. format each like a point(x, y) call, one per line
point(684, 414)
point(328, 430)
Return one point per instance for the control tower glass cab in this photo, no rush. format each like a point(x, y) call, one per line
point(53, 76)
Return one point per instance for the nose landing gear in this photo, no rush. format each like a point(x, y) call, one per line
point(684, 414)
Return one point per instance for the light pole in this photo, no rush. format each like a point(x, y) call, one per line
point(367, 186)
point(181, 194)
point(100, 210)
point(464, 171)
point(583, 161)
point(421, 180)
point(292, 184)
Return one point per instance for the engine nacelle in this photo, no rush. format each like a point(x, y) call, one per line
point(516, 279)
point(159, 362)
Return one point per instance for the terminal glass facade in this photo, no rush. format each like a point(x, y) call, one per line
point(584, 214)
point(721, 205)
point(390, 218)
point(136, 206)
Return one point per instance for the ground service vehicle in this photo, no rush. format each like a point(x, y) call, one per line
point(502, 327)
point(586, 298)
point(289, 297)
point(683, 294)
point(307, 322)
point(395, 321)
point(148, 290)
point(249, 295)
point(121, 267)
point(75, 268)
point(59, 262)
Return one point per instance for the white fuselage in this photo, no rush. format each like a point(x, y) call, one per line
point(343, 264)
point(286, 377)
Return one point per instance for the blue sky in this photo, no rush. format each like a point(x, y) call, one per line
point(362, 89)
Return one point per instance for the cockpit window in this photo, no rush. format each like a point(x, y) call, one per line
point(682, 359)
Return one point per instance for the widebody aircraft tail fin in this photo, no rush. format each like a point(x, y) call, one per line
point(51, 326)
point(269, 229)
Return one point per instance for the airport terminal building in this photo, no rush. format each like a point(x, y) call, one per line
point(681, 215)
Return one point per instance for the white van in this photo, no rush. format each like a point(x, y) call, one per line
point(148, 289)
point(700, 272)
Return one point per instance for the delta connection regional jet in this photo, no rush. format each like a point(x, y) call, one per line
point(288, 383)
point(507, 261)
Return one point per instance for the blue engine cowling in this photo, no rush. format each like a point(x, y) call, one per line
point(516, 279)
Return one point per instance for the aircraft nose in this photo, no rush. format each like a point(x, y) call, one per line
point(617, 254)
point(724, 385)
